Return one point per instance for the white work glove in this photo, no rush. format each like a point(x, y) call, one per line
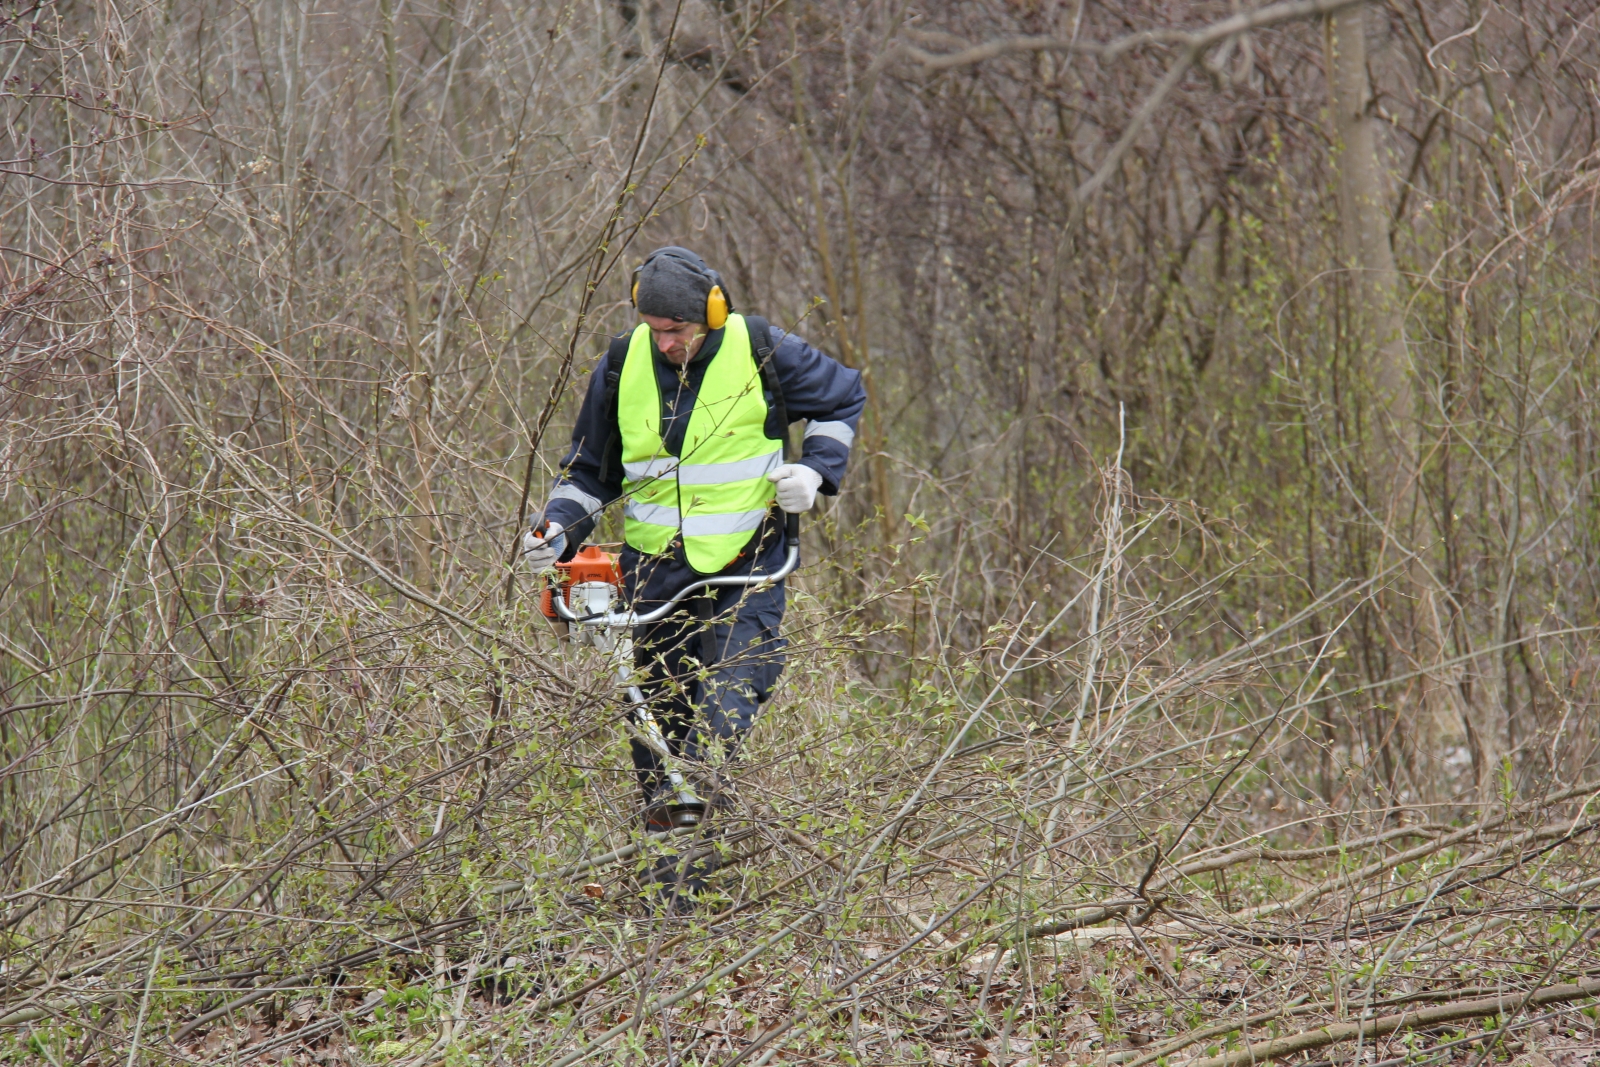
point(541, 552)
point(797, 487)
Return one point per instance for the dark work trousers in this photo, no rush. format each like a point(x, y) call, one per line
point(699, 710)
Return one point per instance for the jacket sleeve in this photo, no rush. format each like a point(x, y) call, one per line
point(828, 395)
point(579, 494)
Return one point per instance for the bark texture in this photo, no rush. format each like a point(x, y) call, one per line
point(1364, 214)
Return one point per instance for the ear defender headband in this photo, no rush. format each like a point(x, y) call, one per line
point(717, 303)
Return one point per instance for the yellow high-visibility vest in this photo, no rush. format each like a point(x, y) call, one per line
point(715, 494)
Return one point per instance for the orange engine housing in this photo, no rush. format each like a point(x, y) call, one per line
point(591, 564)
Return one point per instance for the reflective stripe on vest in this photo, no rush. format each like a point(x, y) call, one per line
point(694, 525)
point(705, 473)
point(716, 493)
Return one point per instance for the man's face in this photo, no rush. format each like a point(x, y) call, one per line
point(678, 341)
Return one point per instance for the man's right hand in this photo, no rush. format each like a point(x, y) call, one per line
point(542, 546)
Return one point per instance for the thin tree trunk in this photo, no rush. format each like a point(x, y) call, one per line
point(869, 443)
point(418, 379)
point(1364, 217)
point(1375, 300)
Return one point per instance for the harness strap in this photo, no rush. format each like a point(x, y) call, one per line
point(777, 409)
point(611, 453)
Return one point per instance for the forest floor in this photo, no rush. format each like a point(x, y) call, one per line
point(880, 918)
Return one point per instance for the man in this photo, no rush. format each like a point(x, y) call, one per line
point(681, 421)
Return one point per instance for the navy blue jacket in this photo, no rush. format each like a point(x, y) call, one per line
point(817, 388)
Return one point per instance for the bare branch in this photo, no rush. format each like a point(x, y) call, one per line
point(1191, 46)
point(1259, 19)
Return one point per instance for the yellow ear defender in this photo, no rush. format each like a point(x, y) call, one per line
point(716, 308)
point(716, 300)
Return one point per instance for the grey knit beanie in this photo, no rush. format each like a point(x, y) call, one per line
point(674, 283)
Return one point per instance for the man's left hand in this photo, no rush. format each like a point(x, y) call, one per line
point(797, 487)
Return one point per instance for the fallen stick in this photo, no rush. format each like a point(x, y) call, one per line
point(1300, 1005)
point(1438, 844)
point(43, 1010)
point(1280, 1047)
point(1081, 916)
point(1297, 1006)
point(1439, 1052)
point(1225, 860)
point(1350, 878)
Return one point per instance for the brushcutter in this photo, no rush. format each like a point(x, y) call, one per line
point(589, 595)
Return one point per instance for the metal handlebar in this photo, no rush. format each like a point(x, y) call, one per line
point(633, 618)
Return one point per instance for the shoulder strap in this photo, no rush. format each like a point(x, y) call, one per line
point(778, 411)
point(611, 454)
